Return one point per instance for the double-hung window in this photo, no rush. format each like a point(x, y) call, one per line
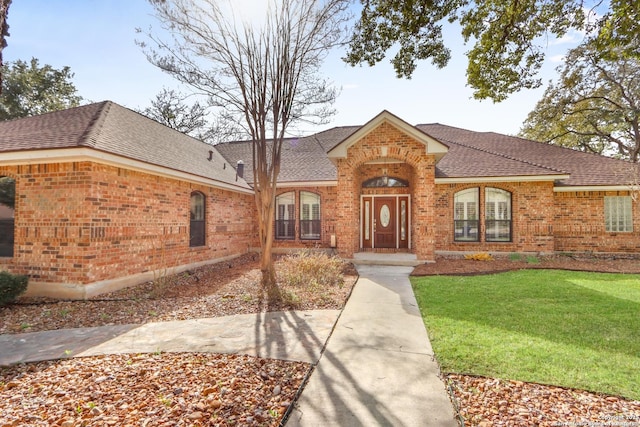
point(465, 215)
point(617, 214)
point(309, 216)
point(497, 215)
point(285, 216)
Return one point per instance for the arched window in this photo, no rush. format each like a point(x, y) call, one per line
point(465, 215)
point(285, 216)
point(197, 225)
point(385, 181)
point(497, 215)
point(309, 216)
point(7, 209)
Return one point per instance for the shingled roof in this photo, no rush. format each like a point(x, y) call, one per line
point(486, 154)
point(471, 155)
point(110, 128)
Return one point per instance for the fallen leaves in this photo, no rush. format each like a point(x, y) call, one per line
point(150, 390)
point(485, 402)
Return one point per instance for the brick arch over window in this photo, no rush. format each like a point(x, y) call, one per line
point(7, 215)
point(197, 228)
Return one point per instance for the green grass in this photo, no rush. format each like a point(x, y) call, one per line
point(572, 329)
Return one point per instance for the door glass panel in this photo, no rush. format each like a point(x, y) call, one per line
point(403, 220)
point(385, 216)
point(366, 220)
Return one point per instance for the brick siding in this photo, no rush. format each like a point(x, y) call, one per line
point(579, 224)
point(83, 222)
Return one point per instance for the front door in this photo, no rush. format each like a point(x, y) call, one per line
point(384, 222)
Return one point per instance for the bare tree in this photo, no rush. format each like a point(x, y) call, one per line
point(171, 109)
point(264, 74)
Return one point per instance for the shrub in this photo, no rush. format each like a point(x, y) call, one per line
point(515, 257)
point(480, 256)
point(310, 269)
point(11, 286)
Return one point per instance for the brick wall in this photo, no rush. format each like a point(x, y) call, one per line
point(83, 222)
point(579, 224)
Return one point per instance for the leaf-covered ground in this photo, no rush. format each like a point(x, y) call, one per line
point(223, 390)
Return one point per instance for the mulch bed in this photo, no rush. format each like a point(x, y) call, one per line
point(458, 265)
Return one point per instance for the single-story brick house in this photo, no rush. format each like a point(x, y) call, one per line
point(102, 197)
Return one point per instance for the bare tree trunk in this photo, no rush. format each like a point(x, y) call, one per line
point(265, 200)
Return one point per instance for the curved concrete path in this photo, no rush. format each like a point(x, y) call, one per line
point(291, 335)
point(378, 368)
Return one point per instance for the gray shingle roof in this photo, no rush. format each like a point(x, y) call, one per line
point(114, 129)
point(111, 128)
point(491, 151)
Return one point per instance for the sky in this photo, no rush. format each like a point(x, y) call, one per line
point(96, 39)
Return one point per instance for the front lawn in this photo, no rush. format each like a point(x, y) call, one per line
point(572, 329)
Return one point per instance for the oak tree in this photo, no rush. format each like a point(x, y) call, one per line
point(593, 106)
point(29, 89)
point(509, 37)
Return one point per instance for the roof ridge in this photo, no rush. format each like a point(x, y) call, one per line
point(90, 136)
point(506, 156)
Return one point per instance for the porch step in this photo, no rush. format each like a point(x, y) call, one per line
point(397, 259)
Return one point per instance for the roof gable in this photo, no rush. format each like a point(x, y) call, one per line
point(432, 145)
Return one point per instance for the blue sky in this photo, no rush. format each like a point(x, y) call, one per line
point(96, 39)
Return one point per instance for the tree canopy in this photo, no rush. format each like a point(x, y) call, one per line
point(593, 106)
point(509, 37)
point(29, 89)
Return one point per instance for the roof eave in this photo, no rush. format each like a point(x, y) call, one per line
point(505, 178)
point(78, 154)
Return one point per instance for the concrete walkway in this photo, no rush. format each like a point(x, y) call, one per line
point(378, 367)
point(293, 335)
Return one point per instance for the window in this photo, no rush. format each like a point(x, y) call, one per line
point(385, 181)
point(309, 216)
point(497, 215)
point(285, 216)
point(7, 208)
point(617, 213)
point(197, 227)
point(465, 215)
